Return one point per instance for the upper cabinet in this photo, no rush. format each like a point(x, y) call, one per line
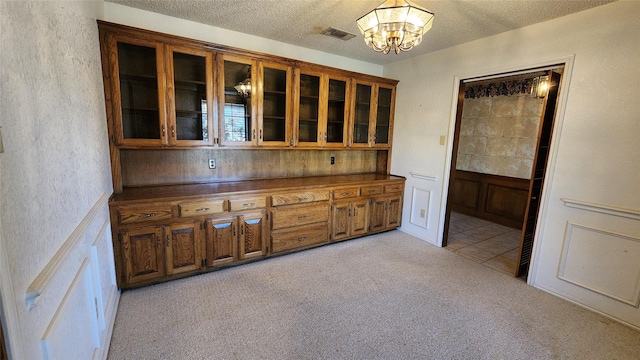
point(309, 110)
point(164, 91)
point(139, 92)
point(385, 104)
point(321, 111)
point(238, 103)
point(372, 120)
point(190, 96)
point(336, 131)
point(275, 85)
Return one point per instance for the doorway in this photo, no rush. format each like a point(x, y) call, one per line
point(500, 150)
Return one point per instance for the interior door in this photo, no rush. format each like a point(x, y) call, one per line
point(538, 173)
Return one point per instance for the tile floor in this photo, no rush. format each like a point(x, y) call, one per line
point(487, 243)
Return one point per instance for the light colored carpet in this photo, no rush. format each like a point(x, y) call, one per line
point(386, 296)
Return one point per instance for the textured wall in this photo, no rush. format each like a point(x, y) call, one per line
point(56, 162)
point(498, 135)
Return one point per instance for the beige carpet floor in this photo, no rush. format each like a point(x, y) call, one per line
point(386, 296)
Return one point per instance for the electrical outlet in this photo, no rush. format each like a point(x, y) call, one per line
point(212, 163)
point(333, 160)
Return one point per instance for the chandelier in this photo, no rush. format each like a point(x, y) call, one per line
point(244, 87)
point(396, 25)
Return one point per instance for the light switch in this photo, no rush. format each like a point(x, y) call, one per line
point(442, 139)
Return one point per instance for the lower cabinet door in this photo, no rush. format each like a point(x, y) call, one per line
point(340, 218)
point(221, 238)
point(183, 247)
point(142, 254)
point(378, 214)
point(394, 212)
point(253, 239)
point(360, 217)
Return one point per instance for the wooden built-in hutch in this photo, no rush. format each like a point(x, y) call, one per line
point(277, 188)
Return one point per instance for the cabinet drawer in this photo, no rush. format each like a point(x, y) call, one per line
point(371, 190)
point(393, 188)
point(345, 193)
point(290, 216)
point(246, 203)
point(299, 237)
point(299, 197)
point(202, 207)
point(142, 213)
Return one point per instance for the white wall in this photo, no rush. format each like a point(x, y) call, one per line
point(157, 22)
point(594, 158)
point(55, 181)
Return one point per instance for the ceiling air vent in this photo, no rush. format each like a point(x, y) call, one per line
point(338, 34)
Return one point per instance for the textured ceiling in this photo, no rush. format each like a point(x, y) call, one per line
point(299, 22)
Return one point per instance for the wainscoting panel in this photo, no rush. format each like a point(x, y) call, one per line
point(420, 202)
point(73, 333)
point(595, 258)
point(75, 296)
point(499, 199)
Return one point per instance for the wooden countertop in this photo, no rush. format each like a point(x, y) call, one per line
point(179, 192)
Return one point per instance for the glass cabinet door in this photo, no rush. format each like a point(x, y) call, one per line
point(139, 112)
point(307, 111)
point(190, 96)
point(274, 117)
point(337, 111)
point(384, 116)
point(237, 98)
point(362, 115)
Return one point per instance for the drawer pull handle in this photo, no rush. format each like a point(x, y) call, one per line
point(248, 204)
point(303, 238)
point(147, 215)
point(202, 209)
point(302, 217)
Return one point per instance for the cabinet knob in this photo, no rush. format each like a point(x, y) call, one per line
point(173, 131)
point(163, 131)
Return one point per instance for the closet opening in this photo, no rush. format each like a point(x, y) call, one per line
point(500, 150)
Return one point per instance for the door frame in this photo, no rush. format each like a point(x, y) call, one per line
point(567, 62)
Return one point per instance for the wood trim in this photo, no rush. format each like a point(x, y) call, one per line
point(602, 208)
